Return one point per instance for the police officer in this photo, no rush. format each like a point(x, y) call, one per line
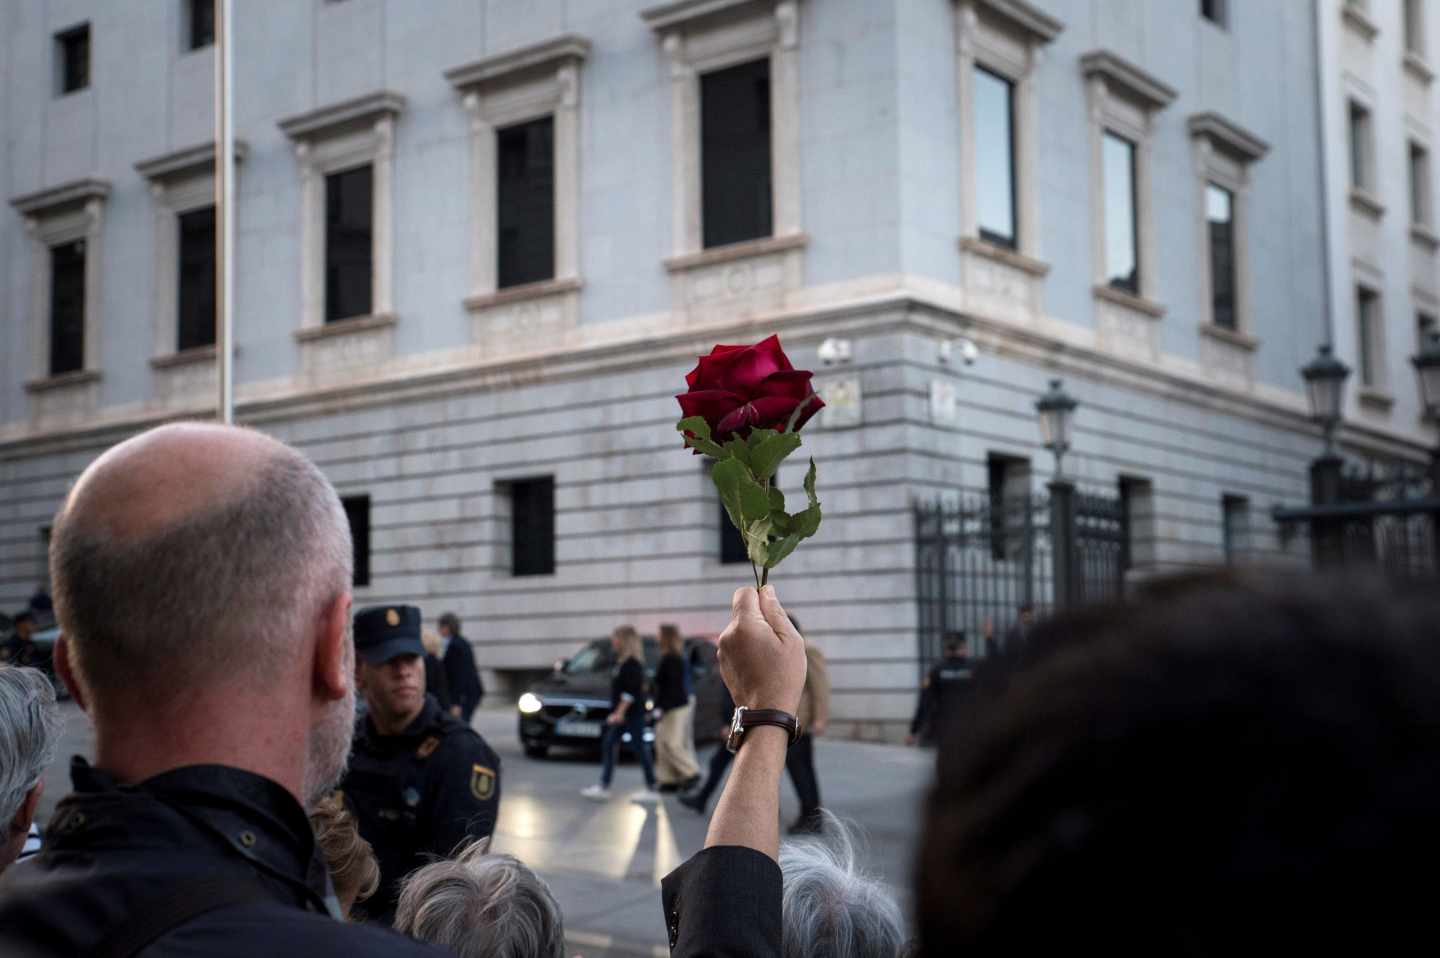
point(20, 649)
point(946, 686)
point(421, 782)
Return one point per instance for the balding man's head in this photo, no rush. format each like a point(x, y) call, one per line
point(194, 553)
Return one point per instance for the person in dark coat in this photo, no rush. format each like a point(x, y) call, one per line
point(946, 687)
point(421, 782)
point(206, 636)
point(627, 715)
point(466, 687)
point(697, 800)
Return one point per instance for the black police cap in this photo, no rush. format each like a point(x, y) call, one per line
point(383, 632)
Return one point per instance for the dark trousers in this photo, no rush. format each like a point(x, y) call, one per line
point(800, 762)
point(719, 762)
point(634, 724)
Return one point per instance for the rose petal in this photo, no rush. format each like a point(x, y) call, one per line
point(794, 383)
point(738, 421)
point(713, 404)
point(773, 410)
point(744, 371)
point(814, 406)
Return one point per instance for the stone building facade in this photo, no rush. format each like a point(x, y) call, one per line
point(1071, 232)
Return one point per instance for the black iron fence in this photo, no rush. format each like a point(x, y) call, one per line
point(979, 559)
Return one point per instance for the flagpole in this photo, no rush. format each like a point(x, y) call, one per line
point(224, 209)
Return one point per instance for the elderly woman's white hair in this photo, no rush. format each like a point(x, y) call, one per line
point(480, 905)
point(830, 907)
point(29, 732)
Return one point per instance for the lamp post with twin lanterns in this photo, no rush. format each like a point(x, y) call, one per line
point(1056, 410)
point(1325, 378)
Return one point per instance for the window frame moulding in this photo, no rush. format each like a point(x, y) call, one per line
point(1038, 26)
point(1227, 136)
point(1125, 79)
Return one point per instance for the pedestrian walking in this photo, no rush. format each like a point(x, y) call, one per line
point(436, 681)
point(814, 719)
point(699, 799)
point(627, 714)
point(676, 767)
point(466, 688)
point(945, 687)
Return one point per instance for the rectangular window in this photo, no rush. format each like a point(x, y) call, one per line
point(532, 526)
point(1235, 527)
point(1368, 331)
point(1122, 249)
point(995, 158)
point(1415, 27)
point(1220, 219)
point(202, 23)
point(525, 178)
point(357, 510)
point(1137, 511)
point(72, 58)
point(67, 308)
point(197, 279)
point(1008, 488)
point(349, 243)
point(1419, 185)
point(1425, 324)
point(1360, 173)
point(1215, 11)
point(735, 173)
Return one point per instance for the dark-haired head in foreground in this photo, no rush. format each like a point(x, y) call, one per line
point(1222, 766)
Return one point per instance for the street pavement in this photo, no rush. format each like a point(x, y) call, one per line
point(604, 862)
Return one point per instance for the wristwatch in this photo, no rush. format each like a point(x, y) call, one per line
point(746, 718)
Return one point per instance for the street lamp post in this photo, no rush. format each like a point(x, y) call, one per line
point(1427, 372)
point(1056, 410)
point(1325, 378)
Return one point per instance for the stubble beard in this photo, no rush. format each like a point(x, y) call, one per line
point(328, 745)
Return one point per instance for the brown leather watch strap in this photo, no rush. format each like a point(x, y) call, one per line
point(748, 718)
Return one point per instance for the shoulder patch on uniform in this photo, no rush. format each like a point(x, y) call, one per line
point(428, 747)
point(482, 782)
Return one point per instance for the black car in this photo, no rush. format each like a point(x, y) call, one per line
point(569, 707)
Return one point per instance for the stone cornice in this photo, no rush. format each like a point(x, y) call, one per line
point(1127, 79)
point(551, 54)
point(1228, 136)
point(1019, 15)
point(185, 161)
point(362, 109)
point(668, 16)
point(73, 193)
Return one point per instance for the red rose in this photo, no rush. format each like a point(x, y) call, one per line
point(740, 388)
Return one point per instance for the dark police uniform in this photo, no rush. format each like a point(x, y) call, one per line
point(946, 687)
point(421, 793)
point(203, 860)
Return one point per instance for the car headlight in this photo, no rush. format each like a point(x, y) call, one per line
point(529, 704)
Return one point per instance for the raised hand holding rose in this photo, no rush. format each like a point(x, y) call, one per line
point(744, 408)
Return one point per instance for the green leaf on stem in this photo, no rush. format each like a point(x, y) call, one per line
point(727, 474)
point(757, 541)
point(697, 436)
point(738, 449)
point(754, 501)
point(766, 457)
point(781, 548)
point(808, 522)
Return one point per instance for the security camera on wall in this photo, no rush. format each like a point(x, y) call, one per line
point(962, 349)
point(833, 351)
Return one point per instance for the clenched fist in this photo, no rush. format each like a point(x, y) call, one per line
point(762, 657)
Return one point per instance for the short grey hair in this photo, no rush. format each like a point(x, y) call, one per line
point(222, 592)
point(830, 907)
point(480, 905)
point(30, 726)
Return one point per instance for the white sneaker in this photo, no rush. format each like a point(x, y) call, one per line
point(596, 793)
point(645, 796)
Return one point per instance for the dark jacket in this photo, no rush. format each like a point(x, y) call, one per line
point(421, 793)
point(947, 686)
point(671, 689)
point(437, 683)
point(723, 903)
point(116, 856)
point(466, 688)
point(629, 679)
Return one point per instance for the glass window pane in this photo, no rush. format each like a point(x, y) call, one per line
point(1219, 217)
point(67, 308)
point(1419, 184)
point(532, 529)
point(202, 23)
point(348, 243)
point(735, 154)
point(1122, 255)
point(197, 279)
point(1365, 316)
point(1359, 149)
point(525, 157)
point(995, 158)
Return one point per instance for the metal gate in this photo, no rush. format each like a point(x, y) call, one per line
point(978, 559)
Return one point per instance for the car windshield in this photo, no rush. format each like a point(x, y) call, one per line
point(599, 657)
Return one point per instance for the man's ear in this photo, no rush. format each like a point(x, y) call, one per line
point(67, 672)
point(333, 650)
point(25, 814)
